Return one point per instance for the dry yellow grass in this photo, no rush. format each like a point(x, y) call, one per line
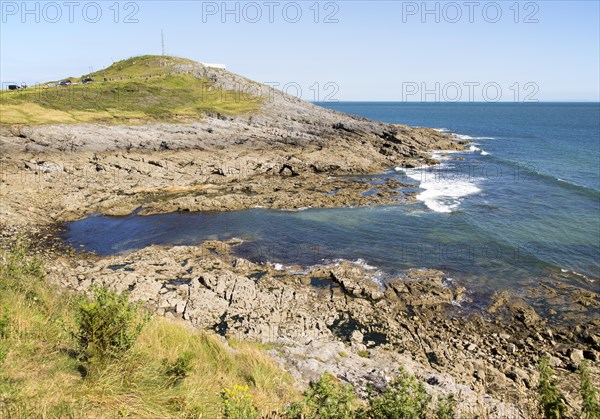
point(41, 375)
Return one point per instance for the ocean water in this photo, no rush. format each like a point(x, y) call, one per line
point(522, 203)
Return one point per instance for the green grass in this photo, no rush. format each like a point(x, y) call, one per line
point(137, 90)
point(169, 371)
point(552, 403)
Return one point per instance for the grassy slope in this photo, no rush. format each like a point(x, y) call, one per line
point(137, 90)
point(40, 374)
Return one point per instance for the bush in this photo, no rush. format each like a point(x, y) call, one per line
point(552, 404)
point(237, 403)
point(590, 408)
point(405, 397)
point(180, 368)
point(15, 265)
point(108, 325)
point(446, 407)
point(4, 324)
point(325, 398)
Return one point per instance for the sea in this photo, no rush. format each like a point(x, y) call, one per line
point(521, 204)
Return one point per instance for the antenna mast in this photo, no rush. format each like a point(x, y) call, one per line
point(162, 41)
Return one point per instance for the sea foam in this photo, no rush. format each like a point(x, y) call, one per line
point(444, 190)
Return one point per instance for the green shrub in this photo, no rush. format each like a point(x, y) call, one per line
point(446, 407)
point(108, 324)
point(180, 368)
point(4, 325)
point(237, 403)
point(17, 268)
point(404, 398)
point(590, 409)
point(325, 398)
point(552, 404)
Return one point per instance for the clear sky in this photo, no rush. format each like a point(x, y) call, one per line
point(345, 50)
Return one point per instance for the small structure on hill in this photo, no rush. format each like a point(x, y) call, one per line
point(212, 65)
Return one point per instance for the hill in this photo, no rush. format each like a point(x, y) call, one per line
point(136, 90)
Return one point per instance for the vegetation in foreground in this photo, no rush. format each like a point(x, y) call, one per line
point(133, 91)
point(63, 355)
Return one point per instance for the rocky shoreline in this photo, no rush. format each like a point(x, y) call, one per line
point(332, 317)
point(166, 173)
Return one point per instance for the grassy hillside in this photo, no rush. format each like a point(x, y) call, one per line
point(169, 372)
point(137, 90)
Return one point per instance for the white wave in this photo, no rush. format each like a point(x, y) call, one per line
point(276, 266)
point(442, 155)
point(378, 278)
point(364, 264)
point(444, 189)
point(439, 155)
point(459, 303)
point(360, 262)
point(587, 278)
point(469, 137)
point(582, 276)
point(441, 129)
point(442, 193)
point(570, 183)
point(474, 149)
point(447, 197)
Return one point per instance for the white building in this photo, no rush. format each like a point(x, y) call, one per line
point(212, 65)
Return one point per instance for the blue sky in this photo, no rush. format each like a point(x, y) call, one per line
point(375, 50)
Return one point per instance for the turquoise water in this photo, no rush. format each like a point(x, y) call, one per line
point(523, 203)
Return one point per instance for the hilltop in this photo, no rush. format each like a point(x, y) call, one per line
point(136, 90)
